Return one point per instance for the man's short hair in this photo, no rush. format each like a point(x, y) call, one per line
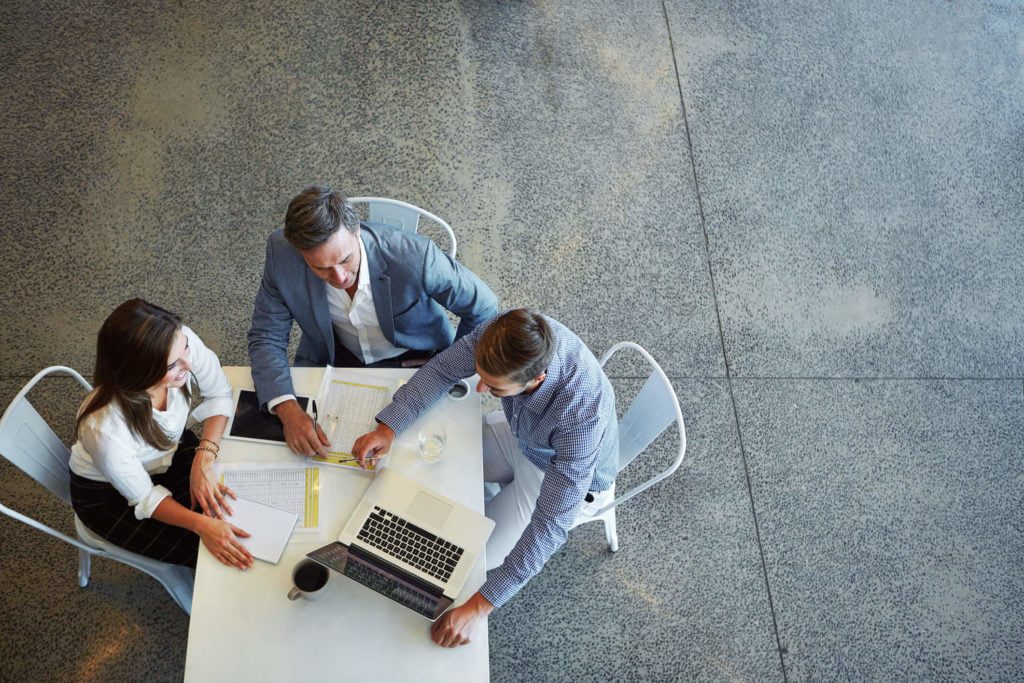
point(519, 346)
point(315, 215)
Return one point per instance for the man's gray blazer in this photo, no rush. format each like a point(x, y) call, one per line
point(412, 281)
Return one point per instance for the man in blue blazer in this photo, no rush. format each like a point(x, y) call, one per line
point(362, 294)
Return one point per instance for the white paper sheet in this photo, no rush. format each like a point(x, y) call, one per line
point(269, 528)
point(281, 486)
point(348, 404)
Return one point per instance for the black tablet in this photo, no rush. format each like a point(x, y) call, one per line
point(249, 422)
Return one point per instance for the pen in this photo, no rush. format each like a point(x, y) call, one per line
point(315, 417)
point(369, 459)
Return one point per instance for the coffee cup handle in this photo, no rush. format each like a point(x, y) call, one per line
point(294, 593)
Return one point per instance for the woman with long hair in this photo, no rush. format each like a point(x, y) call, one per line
point(137, 475)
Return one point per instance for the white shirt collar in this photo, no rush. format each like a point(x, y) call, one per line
point(363, 279)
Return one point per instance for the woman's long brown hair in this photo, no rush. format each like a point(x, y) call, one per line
point(131, 356)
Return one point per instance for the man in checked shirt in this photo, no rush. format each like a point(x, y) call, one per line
point(553, 448)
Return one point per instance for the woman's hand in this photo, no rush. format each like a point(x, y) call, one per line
point(221, 539)
point(208, 494)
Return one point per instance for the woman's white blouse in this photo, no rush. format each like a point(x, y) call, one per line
point(107, 450)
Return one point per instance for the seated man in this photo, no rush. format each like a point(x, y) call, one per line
point(554, 449)
point(362, 294)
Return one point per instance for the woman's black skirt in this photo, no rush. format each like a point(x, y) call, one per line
point(107, 514)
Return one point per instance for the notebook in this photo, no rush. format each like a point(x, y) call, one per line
point(269, 528)
point(409, 544)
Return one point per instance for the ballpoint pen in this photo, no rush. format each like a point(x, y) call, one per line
point(315, 417)
point(369, 459)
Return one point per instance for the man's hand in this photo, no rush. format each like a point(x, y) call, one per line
point(299, 432)
point(373, 445)
point(414, 362)
point(457, 626)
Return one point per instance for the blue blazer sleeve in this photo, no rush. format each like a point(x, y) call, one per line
point(458, 289)
point(269, 335)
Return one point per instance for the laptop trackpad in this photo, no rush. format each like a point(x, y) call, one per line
point(432, 511)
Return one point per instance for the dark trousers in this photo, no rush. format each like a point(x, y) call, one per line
point(107, 514)
point(343, 358)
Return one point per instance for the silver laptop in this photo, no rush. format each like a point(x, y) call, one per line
point(408, 543)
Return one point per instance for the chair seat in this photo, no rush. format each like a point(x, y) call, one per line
point(179, 581)
point(87, 536)
point(102, 545)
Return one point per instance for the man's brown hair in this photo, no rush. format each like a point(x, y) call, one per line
point(315, 215)
point(519, 346)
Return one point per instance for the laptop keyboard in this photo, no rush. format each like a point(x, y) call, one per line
point(411, 544)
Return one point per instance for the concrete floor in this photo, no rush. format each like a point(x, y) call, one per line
point(809, 212)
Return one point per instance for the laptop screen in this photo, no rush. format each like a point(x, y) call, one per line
point(379, 575)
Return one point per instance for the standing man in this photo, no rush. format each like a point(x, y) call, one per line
point(553, 448)
point(362, 294)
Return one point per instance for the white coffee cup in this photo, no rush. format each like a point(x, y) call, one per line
point(308, 580)
point(459, 390)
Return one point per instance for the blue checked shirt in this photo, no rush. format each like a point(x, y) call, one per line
point(567, 428)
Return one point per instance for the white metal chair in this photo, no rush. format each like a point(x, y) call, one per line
point(27, 441)
point(652, 411)
point(402, 215)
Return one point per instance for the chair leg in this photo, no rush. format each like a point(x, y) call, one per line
point(84, 568)
point(610, 530)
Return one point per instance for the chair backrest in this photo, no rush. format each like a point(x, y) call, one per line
point(652, 411)
point(29, 442)
point(402, 215)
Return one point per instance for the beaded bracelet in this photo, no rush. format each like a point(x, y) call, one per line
point(215, 448)
point(208, 450)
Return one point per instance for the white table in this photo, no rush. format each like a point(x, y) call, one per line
point(243, 626)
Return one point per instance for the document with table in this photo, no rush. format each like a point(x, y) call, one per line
point(244, 627)
point(348, 402)
point(279, 485)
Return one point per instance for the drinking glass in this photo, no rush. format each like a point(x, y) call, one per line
point(432, 440)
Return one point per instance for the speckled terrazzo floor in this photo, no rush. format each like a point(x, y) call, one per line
point(809, 214)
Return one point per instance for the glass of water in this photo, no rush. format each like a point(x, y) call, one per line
point(432, 440)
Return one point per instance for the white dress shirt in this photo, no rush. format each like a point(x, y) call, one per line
point(354, 320)
point(107, 450)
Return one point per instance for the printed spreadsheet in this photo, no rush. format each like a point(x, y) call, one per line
point(292, 489)
point(347, 413)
